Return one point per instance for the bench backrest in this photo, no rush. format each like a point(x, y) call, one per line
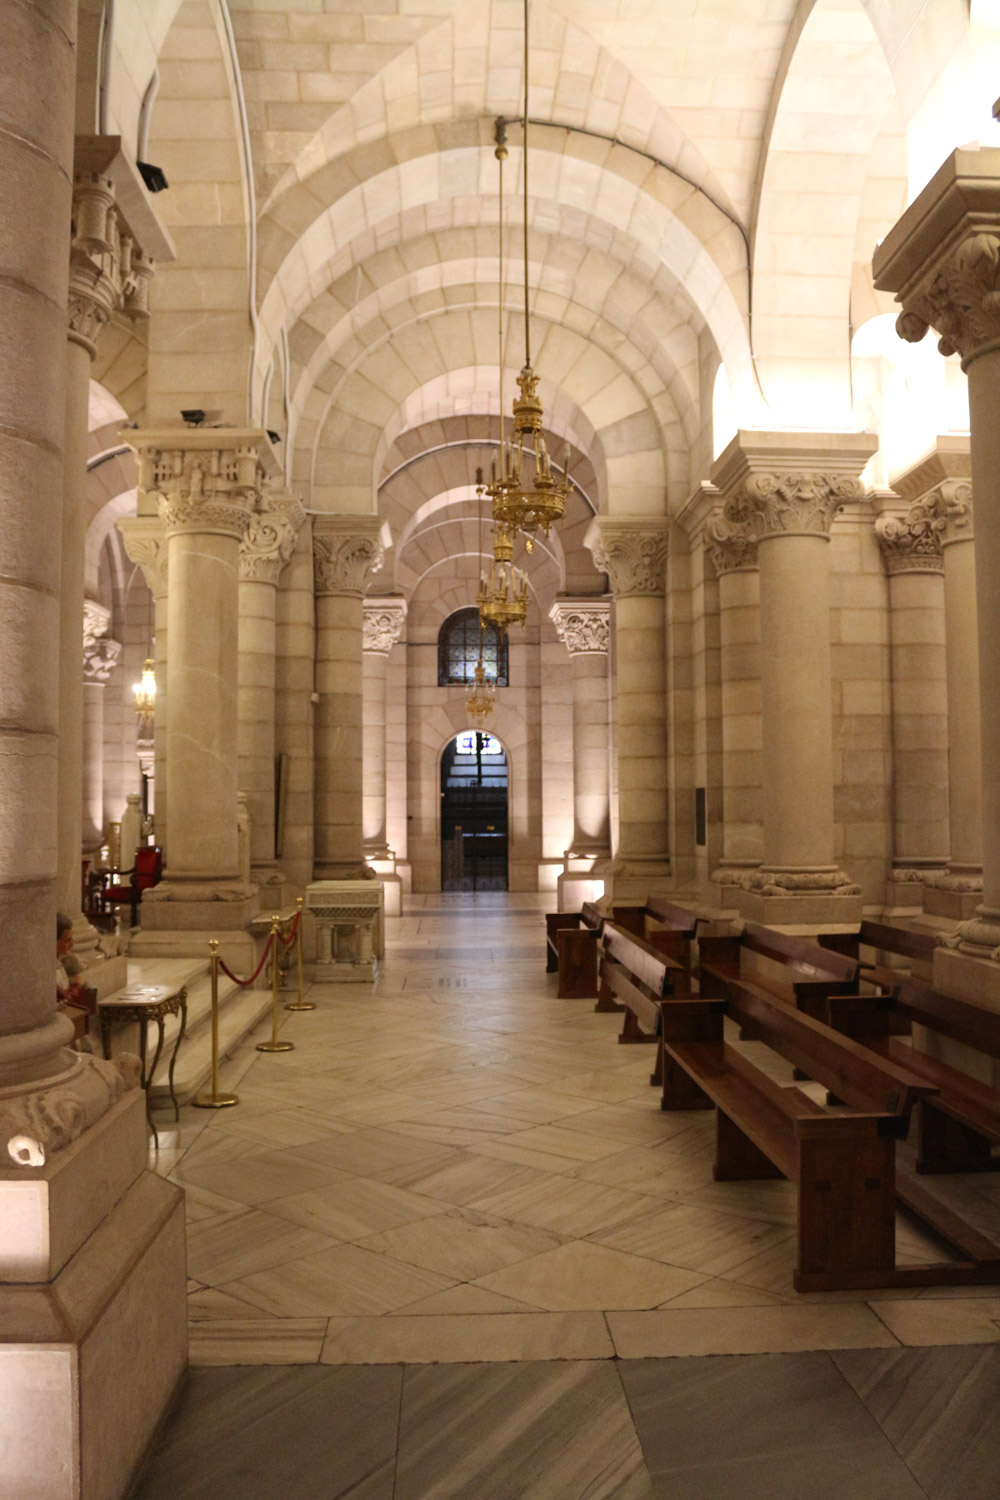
point(957, 1019)
point(884, 937)
point(627, 957)
point(862, 1078)
point(592, 915)
point(802, 954)
point(676, 917)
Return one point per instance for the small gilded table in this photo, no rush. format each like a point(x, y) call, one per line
point(142, 1004)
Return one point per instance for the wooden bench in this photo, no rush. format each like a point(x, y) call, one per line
point(638, 977)
point(571, 944)
point(809, 973)
point(884, 938)
point(841, 1161)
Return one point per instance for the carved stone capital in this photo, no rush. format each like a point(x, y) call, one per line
point(269, 540)
point(632, 551)
point(948, 508)
point(145, 539)
point(107, 271)
point(383, 624)
point(202, 480)
point(791, 503)
point(732, 548)
point(96, 619)
point(960, 299)
point(583, 625)
point(100, 657)
point(909, 544)
point(347, 550)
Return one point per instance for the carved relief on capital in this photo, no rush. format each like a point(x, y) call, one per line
point(732, 547)
point(383, 624)
point(96, 619)
point(107, 271)
point(269, 540)
point(201, 488)
point(344, 559)
point(584, 629)
point(948, 508)
point(799, 503)
point(100, 657)
point(633, 556)
point(960, 299)
point(145, 540)
point(910, 544)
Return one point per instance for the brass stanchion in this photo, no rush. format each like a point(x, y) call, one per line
point(215, 1100)
point(274, 1045)
point(299, 1004)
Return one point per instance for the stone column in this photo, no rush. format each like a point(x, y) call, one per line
point(633, 553)
point(733, 550)
point(347, 550)
point(942, 259)
point(145, 541)
point(941, 493)
point(911, 552)
point(584, 627)
point(206, 485)
point(264, 552)
point(108, 274)
point(100, 657)
point(785, 489)
point(383, 626)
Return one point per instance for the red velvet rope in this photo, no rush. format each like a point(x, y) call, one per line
point(246, 983)
point(287, 941)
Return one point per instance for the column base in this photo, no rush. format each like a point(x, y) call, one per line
point(90, 1360)
point(955, 893)
point(41, 1116)
point(800, 898)
point(179, 904)
point(728, 879)
point(633, 879)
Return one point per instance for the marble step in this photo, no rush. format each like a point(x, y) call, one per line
point(239, 1012)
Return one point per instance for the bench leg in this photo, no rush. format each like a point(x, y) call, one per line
point(847, 1209)
point(551, 959)
point(632, 1032)
point(737, 1159)
point(606, 1002)
point(946, 1145)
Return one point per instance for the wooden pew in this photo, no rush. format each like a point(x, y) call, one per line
point(638, 976)
point(675, 931)
point(842, 1162)
point(571, 944)
point(884, 938)
point(958, 1127)
point(809, 973)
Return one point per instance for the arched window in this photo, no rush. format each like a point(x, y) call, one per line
point(458, 649)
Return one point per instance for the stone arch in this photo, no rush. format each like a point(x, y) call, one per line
point(818, 160)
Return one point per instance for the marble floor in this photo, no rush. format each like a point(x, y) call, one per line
point(457, 1206)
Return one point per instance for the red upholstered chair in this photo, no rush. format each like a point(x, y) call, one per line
point(145, 872)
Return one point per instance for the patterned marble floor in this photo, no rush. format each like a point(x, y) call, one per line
point(456, 1165)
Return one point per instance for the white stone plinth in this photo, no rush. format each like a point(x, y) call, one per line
point(348, 917)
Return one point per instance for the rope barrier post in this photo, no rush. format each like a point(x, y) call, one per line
point(299, 1004)
point(275, 1045)
point(215, 1100)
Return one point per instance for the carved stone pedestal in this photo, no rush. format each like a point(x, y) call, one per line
point(348, 915)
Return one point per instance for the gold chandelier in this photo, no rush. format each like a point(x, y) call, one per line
point(480, 699)
point(144, 692)
point(503, 591)
point(526, 496)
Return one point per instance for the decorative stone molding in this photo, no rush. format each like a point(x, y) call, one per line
point(979, 937)
point(960, 298)
point(107, 271)
point(793, 503)
point(910, 544)
point(269, 540)
point(583, 626)
point(202, 480)
point(145, 541)
point(347, 550)
point(792, 882)
point(632, 551)
point(732, 548)
point(948, 509)
point(969, 883)
point(45, 1116)
point(100, 657)
point(383, 624)
point(96, 619)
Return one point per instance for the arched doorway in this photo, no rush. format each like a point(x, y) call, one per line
point(474, 813)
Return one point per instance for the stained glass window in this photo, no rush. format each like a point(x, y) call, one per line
point(458, 650)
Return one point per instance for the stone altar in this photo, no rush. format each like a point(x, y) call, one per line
point(349, 927)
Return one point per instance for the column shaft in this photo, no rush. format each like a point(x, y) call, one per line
point(919, 723)
point(591, 789)
point(984, 390)
point(93, 764)
point(965, 776)
point(339, 782)
point(255, 737)
point(373, 750)
point(740, 693)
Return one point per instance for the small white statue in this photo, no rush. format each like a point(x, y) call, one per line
point(131, 834)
